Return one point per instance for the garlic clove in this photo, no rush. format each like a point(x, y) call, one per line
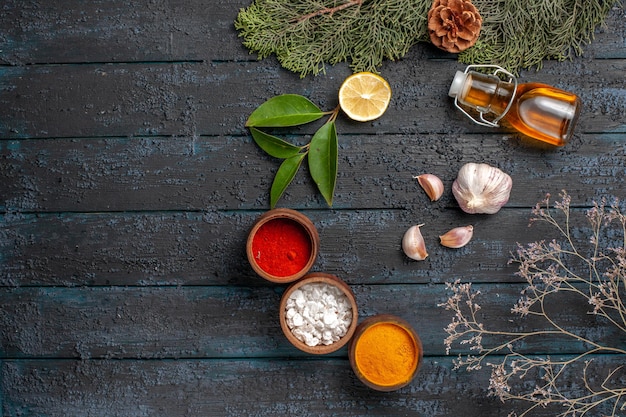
point(457, 237)
point(481, 188)
point(413, 243)
point(432, 185)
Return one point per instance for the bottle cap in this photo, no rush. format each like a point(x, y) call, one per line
point(457, 83)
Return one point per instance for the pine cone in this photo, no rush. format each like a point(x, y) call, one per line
point(454, 25)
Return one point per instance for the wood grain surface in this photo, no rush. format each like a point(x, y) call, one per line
point(128, 185)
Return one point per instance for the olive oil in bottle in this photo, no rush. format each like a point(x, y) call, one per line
point(536, 110)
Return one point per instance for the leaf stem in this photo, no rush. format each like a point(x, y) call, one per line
point(333, 114)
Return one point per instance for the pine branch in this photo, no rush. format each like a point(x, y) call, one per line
point(307, 35)
point(329, 10)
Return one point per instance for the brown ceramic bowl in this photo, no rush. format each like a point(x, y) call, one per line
point(318, 277)
point(277, 252)
point(396, 330)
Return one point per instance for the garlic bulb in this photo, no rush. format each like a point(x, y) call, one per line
point(432, 185)
point(481, 188)
point(457, 237)
point(413, 244)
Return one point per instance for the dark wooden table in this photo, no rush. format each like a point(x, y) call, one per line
point(129, 183)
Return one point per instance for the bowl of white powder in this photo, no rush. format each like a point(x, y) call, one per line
point(318, 313)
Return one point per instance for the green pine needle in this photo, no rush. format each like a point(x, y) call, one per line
point(307, 35)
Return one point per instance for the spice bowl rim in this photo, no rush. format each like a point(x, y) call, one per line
point(330, 279)
point(300, 219)
point(378, 319)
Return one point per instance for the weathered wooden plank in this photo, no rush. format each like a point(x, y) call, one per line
point(209, 248)
point(238, 322)
point(181, 30)
point(124, 284)
point(232, 388)
point(192, 99)
point(324, 387)
point(119, 31)
point(232, 173)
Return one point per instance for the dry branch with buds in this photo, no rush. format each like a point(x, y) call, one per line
point(592, 273)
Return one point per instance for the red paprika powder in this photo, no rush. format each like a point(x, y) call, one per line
point(281, 247)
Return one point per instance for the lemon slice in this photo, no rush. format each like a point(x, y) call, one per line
point(364, 96)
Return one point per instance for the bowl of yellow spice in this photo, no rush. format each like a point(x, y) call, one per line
point(385, 352)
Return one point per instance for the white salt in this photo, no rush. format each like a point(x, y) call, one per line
point(318, 313)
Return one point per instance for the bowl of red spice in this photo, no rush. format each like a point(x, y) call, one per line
point(282, 245)
point(385, 352)
point(318, 314)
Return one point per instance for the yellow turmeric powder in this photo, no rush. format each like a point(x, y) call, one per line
point(386, 354)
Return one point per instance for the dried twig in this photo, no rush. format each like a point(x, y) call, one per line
point(593, 273)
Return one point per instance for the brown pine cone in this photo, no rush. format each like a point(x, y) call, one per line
point(454, 25)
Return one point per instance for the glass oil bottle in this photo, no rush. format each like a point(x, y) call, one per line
point(536, 110)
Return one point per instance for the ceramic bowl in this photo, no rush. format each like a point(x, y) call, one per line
point(302, 224)
point(312, 278)
point(381, 354)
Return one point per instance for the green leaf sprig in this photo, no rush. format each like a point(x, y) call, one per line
point(321, 152)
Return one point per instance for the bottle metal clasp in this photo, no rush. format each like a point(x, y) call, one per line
point(482, 120)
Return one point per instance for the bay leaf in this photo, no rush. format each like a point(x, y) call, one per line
point(323, 151)
point(284, 110)
point(274, 146)
point(285, 174)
